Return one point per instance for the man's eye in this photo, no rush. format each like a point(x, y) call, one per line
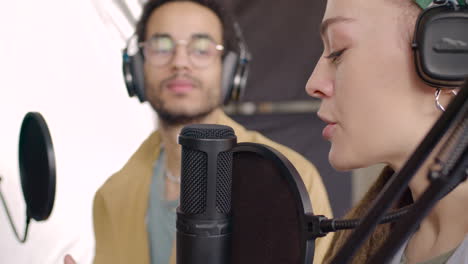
point(162, 45)
point(163, 50)
point(201, 51)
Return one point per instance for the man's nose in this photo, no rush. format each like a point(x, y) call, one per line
point(181, 58)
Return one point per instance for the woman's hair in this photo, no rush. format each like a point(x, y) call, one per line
point(380, 234)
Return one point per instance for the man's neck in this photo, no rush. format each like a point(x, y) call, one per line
point(169, 136)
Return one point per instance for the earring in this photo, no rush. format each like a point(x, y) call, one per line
point(437, 96)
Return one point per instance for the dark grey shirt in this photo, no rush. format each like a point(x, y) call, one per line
point(161, 216)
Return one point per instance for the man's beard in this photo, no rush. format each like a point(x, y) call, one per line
point(169, 118)
point(173, 118)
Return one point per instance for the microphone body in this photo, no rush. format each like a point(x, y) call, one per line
point(204, 228)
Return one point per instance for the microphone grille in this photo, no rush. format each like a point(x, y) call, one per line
point(204, 131)
point(197, 186)
point(194, 187)
point(224, 182)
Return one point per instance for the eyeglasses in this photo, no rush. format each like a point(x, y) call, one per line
point(160, 50)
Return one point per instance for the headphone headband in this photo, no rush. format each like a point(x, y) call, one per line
point(234, 74)
point(424, 4)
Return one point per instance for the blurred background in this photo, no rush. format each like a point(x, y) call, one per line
point(63, 59)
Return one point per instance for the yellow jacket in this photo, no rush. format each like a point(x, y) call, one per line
point(120, 205)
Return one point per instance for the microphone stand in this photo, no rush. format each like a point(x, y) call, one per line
point(10, 219)
point(456, 111)
point(437, 189)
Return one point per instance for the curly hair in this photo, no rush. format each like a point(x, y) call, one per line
point(227, 22)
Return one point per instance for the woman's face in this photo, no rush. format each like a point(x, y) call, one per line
point(376, 108)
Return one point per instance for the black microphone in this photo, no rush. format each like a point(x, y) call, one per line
point(204, 228)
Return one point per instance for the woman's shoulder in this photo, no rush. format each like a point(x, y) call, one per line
point(460, 256)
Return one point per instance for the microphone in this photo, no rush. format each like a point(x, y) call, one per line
point(240, 202)
point(204, 228)
point(270, 203)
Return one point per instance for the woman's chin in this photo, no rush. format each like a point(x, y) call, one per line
point(341, 166)
point(342, 162)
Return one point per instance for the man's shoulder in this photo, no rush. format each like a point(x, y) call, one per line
point(299, 161)
point(308, 172)
point(115, 183)
point(302, 165)
point(137, 167)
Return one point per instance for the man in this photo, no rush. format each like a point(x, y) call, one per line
point(134, 211)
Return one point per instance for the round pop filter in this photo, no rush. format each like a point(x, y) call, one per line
point(269, 207)
point(37, 166)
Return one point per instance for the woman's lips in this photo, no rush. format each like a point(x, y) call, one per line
point(327, 132)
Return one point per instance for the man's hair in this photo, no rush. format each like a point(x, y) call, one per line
point(229, 36)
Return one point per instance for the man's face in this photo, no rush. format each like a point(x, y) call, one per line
point(180, 90)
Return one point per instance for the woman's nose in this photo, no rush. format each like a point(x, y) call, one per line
point(320, 83)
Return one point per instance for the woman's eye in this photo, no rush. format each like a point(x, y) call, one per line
point(334, 56)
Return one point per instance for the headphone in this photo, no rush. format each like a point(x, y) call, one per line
point(440, 42)
point(234, 74)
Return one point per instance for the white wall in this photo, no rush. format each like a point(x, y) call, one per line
point(56, 57)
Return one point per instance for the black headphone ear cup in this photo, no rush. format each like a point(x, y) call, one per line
point(240, 79)
point(230, 70)
point(439, 45)
point(134, 75)
point(139, 76)
point(127, 72)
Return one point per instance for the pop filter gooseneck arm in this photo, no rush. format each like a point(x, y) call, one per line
point(320, 225)
point(10, 219)
point(456, 110)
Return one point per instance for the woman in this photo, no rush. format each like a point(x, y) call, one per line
point(378, 110)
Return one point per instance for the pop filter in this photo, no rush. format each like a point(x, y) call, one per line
point(37, 171)
point(272, 216)
point(270, 205)
point(37, 166)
